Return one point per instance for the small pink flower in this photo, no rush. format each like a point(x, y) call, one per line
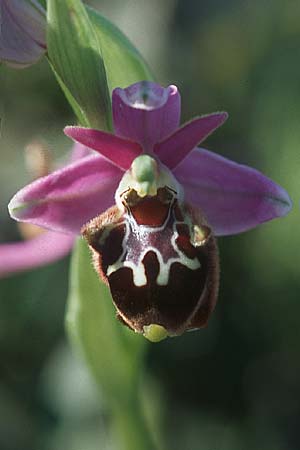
point(23, 32)
point(156, 246)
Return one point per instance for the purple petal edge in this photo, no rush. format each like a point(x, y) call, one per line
point(68, 198)
point(233, 197)
point(44, 249)
point(146, 112)
point(176, 147)
point(118, 151)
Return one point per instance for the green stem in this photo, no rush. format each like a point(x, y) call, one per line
point(130, 429)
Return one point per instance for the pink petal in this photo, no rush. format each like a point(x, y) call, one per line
point(79, 151)
point(69, 197)
point(41, 250)
point(233, 197)
point(23, 32)
point(177, 146)
point(146, 112)
point(119, 151)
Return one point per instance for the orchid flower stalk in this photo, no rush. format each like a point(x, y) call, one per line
point(150, 204)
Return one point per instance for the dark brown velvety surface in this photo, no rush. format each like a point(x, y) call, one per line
point(186, 296)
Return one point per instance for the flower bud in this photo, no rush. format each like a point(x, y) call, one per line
point(23, 32)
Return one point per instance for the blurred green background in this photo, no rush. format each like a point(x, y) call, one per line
point(236, 384)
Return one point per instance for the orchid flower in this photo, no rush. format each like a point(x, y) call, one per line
point(39, 247)
point(150, 204)
point(23, 32)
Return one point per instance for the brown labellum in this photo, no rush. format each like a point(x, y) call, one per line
point(160, 260)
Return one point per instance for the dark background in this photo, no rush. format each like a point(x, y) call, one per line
point(236, 384)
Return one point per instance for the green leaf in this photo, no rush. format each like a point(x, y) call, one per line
point(43, 3)
point(113, 352)
point(123, 63)
point(90, 57)
point(79, 112)
point(75, 55)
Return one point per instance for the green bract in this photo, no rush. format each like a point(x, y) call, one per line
point(76, 58)
point(90, 57)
